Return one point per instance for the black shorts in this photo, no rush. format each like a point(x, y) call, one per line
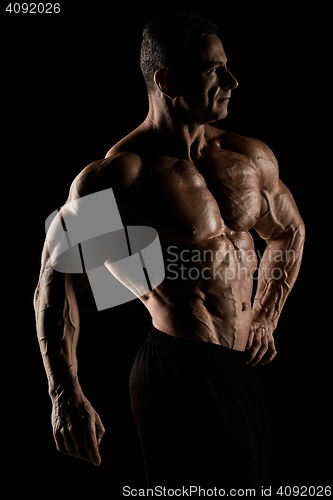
point(200, 414)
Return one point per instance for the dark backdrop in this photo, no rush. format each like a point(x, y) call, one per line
point(73, 88)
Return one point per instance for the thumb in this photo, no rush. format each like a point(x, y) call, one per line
point(100, 430)
point(250, 338)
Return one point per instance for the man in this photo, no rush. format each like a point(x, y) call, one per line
point(195, 398)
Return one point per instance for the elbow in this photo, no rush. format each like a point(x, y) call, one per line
point(301, 230)
point(299, 237)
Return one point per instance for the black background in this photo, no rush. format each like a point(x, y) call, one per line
point(73, 88)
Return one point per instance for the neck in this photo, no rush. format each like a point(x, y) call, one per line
point(181, 140)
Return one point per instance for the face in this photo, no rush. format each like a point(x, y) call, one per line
point(205, 87)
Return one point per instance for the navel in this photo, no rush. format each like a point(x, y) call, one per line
point(245, 306)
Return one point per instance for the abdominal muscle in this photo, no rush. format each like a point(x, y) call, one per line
point(206, 294)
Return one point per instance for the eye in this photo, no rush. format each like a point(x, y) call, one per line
point(212, 71)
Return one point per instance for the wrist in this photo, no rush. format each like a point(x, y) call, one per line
point(264, 319)
point(67, 385)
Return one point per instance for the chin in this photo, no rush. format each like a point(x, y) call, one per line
point(210, 115)
point(222, 112)
point(222, 115)
point(218, 116)
point(219, 112)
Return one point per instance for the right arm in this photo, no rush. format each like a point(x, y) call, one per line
point(77, 428)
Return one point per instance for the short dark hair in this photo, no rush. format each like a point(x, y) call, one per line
point(165, 42)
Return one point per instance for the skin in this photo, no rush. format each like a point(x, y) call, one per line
point(202, 189)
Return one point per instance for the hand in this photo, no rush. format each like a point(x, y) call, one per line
point(77, 428)
point(261, 343)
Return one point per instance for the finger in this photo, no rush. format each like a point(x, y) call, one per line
point(256, 344)
point(262, 351)
point(78, 441)
point(263, 348)
point(70, 446)
point(91, 445)
point(270, 355)
point(250, 339)
point(59, 441)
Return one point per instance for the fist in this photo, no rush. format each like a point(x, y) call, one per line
point(77, 427)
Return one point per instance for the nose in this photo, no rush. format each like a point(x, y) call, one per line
point(227, 80)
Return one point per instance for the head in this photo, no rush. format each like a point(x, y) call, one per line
point(184, 65)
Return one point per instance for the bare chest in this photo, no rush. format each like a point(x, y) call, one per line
point(188, 203)
point(234, 181)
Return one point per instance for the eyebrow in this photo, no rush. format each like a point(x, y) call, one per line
point(210, 64)
point(219, 63)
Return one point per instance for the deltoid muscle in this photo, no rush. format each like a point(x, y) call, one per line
point(87, 235)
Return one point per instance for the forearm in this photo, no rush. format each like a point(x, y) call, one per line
point(277, 274)
point(57, 321)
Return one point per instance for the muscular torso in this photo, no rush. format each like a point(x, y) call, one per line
point(203, 213)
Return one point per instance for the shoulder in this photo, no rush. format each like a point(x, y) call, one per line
point(117, 171)
point(261, 155)
point(248, 146)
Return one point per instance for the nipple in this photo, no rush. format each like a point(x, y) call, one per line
point(194, 231)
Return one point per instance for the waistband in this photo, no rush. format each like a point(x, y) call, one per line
point(195, 347)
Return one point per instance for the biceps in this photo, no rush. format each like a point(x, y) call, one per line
point(282, 214)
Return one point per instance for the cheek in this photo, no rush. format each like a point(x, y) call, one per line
point(206, 96)
point(193, 93)
point(212, 94)
point(192, 102)
point(200, 98)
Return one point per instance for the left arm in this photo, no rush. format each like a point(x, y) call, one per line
point(282, 227)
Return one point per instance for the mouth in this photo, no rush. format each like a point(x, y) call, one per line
point(223, 98)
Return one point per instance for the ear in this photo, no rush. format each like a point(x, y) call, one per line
point(165, 82)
